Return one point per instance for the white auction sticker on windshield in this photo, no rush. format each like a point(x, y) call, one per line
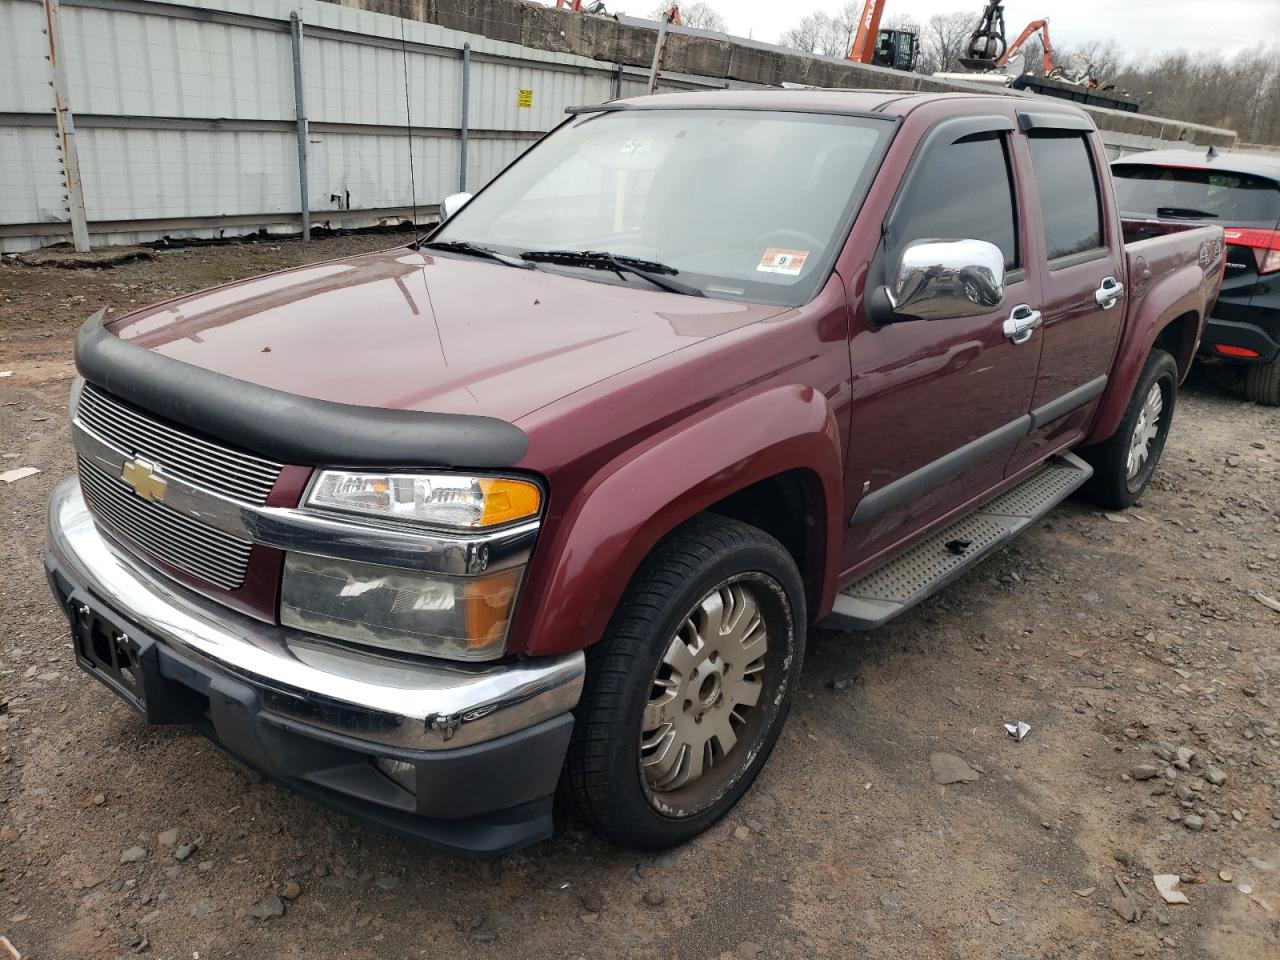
point(778, 260)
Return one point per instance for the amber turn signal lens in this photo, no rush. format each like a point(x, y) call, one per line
point(488, 603)
point(507, 500)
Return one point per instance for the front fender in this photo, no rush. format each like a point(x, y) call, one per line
point(636, 499)
point(1174, 295)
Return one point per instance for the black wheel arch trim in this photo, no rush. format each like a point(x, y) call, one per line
point(287, 427)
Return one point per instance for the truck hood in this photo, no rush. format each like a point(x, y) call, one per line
point(406, 330)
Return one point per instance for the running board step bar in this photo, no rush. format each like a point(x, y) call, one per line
point(908, 578)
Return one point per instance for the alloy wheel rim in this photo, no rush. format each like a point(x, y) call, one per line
point(708, 684)
point(1145, 430)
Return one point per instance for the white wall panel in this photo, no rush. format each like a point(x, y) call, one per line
point(374, 171)
point(186, 116)
point(495, 89)
point(24, 64)
point(487, 158)
point(358, 83)
point(31, 184)
point(131, 64)
point(133, 174)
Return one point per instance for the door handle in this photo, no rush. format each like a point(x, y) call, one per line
point(1108, 292)
point(1021, 323)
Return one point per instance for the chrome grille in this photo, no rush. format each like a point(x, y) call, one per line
point(201, 551)
point(232, 473)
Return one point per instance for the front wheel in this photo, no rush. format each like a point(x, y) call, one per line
point(1124, 463)
point(687, 692)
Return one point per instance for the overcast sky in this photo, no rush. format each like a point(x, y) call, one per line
point(1138, 25)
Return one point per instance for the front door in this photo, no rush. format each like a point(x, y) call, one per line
point(939, 406)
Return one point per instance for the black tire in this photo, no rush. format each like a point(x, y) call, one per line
point(603, 780)
point(1262, 383)
point(1111, 485)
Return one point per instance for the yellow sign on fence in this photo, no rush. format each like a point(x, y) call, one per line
point(524, 99)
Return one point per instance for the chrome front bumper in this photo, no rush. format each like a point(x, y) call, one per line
point(401, 702)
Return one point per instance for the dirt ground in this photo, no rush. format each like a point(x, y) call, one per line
point(1119, 639)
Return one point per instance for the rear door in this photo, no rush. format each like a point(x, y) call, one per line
point(939, 406)
point(1082, 296)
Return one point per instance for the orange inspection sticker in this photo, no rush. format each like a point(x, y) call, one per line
point(778, 260)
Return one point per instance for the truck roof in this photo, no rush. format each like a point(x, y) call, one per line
point(818, 100)
point(1259, 163)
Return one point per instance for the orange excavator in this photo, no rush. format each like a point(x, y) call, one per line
point(897, 49)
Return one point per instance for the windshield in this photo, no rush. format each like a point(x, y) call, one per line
point(748, 205)
point(1235, 199)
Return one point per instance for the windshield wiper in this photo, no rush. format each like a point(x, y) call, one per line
point(656, 273)
point(466, 246)
point(1184, 212)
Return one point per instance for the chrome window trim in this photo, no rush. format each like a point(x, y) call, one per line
point(329, 534)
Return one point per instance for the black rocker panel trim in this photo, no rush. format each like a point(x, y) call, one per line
point(925, 478)
point(919, 481)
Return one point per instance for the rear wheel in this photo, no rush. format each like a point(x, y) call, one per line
point(1124, 463)
point(687, 692)
point(1262, 383)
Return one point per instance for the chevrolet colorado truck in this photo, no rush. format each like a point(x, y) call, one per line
point(542, 505)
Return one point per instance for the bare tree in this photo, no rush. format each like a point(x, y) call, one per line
point(945, 38)
point(833, 36)
point(699, 15)
point(1032, 57)
point(822, 33)
point(902, 21)
point(1239, 93)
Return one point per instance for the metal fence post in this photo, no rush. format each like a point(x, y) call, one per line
point(466, 116)
point(657, 52)
point(66, 128)
point(300, 113)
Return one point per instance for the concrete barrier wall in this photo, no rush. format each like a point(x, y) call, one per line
point(736, 61)
point(185, 110)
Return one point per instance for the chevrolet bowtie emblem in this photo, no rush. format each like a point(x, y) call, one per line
point(142, 476)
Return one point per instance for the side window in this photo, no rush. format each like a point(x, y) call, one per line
point(963, 191)
point(1068, 188)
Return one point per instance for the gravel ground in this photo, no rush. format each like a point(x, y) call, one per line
point(1137, 647)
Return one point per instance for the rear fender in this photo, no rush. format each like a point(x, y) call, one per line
point(637, 499)
point(1176, 294)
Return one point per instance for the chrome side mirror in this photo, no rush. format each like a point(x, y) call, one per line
point(452, 204)
point(944, 279)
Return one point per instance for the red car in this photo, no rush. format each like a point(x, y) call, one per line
point(551, 497)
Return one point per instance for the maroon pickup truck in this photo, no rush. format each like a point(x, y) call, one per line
point(545, 503)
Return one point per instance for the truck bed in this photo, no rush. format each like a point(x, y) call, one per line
point(1138, 229)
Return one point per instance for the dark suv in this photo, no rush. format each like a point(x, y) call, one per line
point(1241, 193)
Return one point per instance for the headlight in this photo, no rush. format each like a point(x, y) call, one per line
point(437, 499)
point(461, 618)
